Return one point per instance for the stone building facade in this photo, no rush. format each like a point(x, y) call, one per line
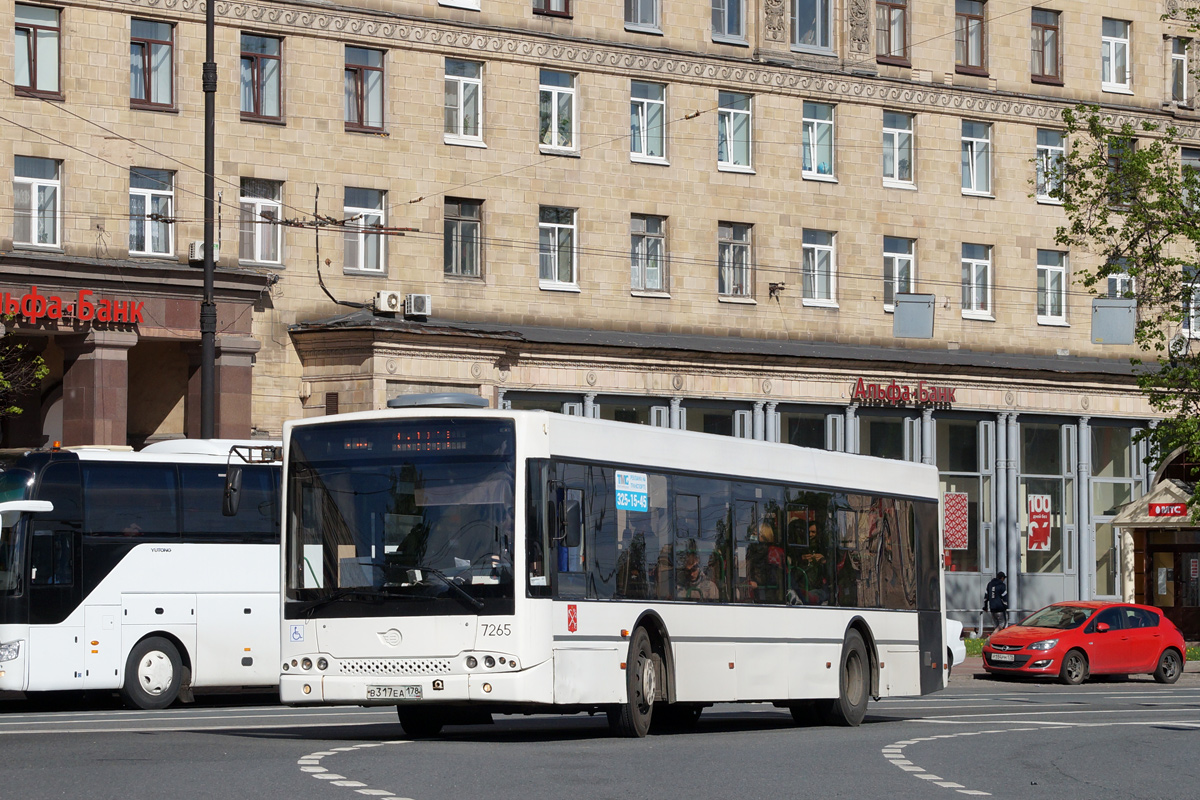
point(711, 217)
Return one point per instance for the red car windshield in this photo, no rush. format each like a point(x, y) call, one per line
point(1060, 617)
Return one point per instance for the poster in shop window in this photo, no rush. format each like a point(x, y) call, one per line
point(957, 520)
point(1039, 522)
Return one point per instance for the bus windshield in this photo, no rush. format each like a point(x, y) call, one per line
point(14, 485)
point(392, 511)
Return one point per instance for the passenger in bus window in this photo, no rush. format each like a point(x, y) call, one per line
point(764, 567)
point(694, 583)
point(132, 529)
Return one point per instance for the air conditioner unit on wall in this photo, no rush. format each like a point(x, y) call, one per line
point(196, 251)
point(418, 305)
point(389, 302)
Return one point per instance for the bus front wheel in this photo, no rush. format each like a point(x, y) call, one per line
point(854, 681)
point(632, 718)
point(153, 674)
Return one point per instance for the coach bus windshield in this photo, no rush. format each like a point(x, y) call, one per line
point(14, 485)
point(401, 517)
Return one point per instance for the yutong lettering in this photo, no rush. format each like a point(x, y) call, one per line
point(35, 306)
point(895, 394)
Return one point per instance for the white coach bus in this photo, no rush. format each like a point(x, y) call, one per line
point(458, 562)
point(118, 570)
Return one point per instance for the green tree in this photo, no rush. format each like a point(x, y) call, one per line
point(1132, 204)
point(20, 370)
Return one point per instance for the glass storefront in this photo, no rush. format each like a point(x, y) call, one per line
point(1045, 485)
point(1115, 481)
point(963, 455)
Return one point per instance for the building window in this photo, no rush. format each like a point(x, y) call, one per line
point(37, 57)
point(36, 218)
point(969, 45)
point(365, 217)
point(818, 140)
point(557, 8)
point(1189, 158)
point(261, 77)
point(1179, 70)
point(1114, 55)
point(812, 26)
point(364, 89)
point(260, 236)
point(898, 258)
point(1051, 286)
point(151, 67)
point(647, 117)
point(556, 246)
point(464, 100)
point(1044, 62)
point(1191, 302)
point(897, 147)
point(818, 265)
point(733, 260)
point(462, 239)
point(1120, 149)
point(963, 455)
point(642, 15)
point(976, 280)
point(976, 157)
point(556, 110)
point(151, 200)
point(648, 253)
point(891, 30)
point(728, 20)
point(1120, 284)
point(1051, 151)
point(733, 130)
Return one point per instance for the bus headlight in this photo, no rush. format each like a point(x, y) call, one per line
point(322, 664)
point(306, 663)
point(10, 650)
point(489, 662)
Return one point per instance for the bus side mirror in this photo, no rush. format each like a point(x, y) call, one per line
point(11, 511)
point(572, 523)
point(233, 490)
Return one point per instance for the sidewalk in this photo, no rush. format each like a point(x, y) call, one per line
point(973, 668)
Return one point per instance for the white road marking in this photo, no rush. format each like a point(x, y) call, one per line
point(321, 773)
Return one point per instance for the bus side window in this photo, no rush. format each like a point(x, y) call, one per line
point(53, 558)
point(123, 499)
point(202, 489)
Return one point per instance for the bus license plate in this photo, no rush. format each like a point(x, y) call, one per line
point(1003, 657)
point(393, 692)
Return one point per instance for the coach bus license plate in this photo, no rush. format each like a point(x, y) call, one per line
point(393, 692)
point(995, 657)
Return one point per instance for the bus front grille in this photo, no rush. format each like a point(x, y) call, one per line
point(396, 666)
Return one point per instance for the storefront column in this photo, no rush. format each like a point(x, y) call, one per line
point(96, 387)
point(1014, 517)
point(851, 428)
point(772, 432)
point(927, 454)
point(1000, 546)
point(232, 387)
point(1083, 513)
point(676, 404)
point(25, 429)
point(760, 428)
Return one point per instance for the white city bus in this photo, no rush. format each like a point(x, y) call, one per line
point(458, 562)
point(118, 570)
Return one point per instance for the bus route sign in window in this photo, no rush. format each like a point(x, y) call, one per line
point(632, 494)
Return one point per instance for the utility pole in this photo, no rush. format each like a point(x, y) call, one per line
point(208, 306)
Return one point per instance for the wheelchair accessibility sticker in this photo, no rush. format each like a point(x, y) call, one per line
point(297, 634)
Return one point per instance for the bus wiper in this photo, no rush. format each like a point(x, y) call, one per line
point(340, 594)
point(459, 592)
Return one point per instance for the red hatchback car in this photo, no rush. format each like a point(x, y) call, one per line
point(1076, 639)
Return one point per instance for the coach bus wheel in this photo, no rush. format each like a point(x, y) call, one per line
point(1074, 668)
point(418, 723)
point(152, 674)
point(632, 718)
point(854, 682)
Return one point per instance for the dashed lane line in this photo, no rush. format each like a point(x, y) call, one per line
point(311, 765)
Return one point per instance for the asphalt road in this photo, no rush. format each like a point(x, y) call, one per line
point(1122, 739)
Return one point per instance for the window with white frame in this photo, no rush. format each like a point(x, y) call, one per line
point(37, 50)
point(734, 266)
point(898, 268)
point(976, 280)
point(1052, 286)
point(364, 89)
point(1051, 152)
point(818, 140)
point(556, 110)
point(642, 15)
point(970, 46)
point(648, 253)
point(260, 234)
point(818, 267)
point(728, 20)
point(462, 237)
point(1120, 283)
point(1120, 150)
point(1114, 55)
point(733, 130)
point(151, 64)
point(812, 24)
point(1189, 176)
point(976, 157)
point(36, 205)
point(1191, 302)
point(897, 147)
point(557, 246)
point(647, 121)
point(151, 204)
point(365, 246)
point(1179, 70)
point(891, 30)
point(464, 101)
point(260, 79)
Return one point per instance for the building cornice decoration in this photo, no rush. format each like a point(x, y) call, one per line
point(860, 29)
point(776, 21)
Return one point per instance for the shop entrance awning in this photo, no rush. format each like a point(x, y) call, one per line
point(1159, 509)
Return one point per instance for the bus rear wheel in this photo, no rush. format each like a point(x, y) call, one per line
point(854, 682)
point(153, 674)
point(632, 718)
point(419, 723)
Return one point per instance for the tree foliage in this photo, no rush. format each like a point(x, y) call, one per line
point(1133, 204)
point(20, 370)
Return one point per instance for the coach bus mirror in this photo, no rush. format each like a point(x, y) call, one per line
point(1101, 627)
point(572, 523)
point(11, 511)
point(233, 490)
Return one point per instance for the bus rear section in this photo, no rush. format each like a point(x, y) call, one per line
point(128, 576)
point(461, 563)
